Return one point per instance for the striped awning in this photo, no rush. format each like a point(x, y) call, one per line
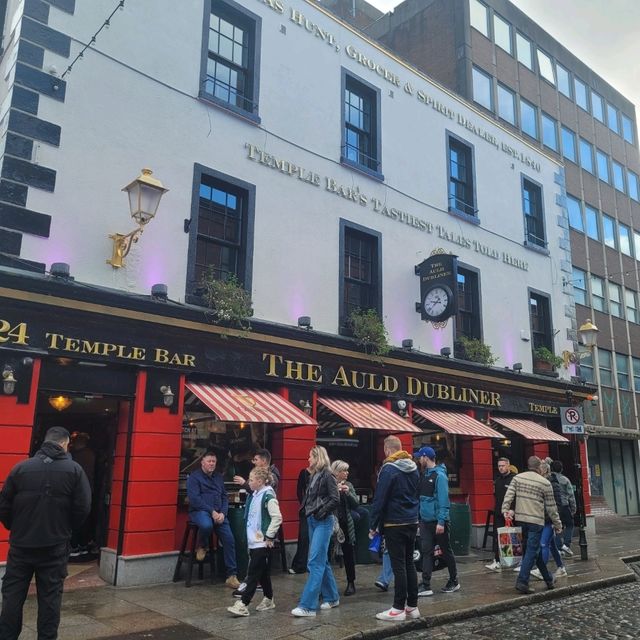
point(455, 422)
point(529, 429)
point(367, 415)
point(239, 404)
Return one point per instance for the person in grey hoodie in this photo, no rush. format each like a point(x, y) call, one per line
point(434, 520)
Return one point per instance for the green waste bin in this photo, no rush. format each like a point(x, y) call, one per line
point(363, 555)
point(235, 515)
point(460, 535)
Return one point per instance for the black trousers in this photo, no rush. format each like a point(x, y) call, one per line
point(400, 542)
point(49, 564)
point(498, 521)
point(259, 571)
point(428, 540)
point(299, 562)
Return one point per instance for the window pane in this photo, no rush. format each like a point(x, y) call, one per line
point(468, 317)
point(598, 300)
point(581, 94)
point(636, 373)
point(549, 132)
point(574, 209)
point(603, 165)
point(612, 118)
point(461, 191)
point(502, 33)
point(360, 125)
point(618, 176)
point(597, 104)
point(632, 180)
point(545, 65)
point(479, 17)
point(622, 370)
point(586, 155)
point(482, 93)
point(534, 219)
point(631, 301)
point(624, 234)
point(615, 300)
point(591, 219)
point(564, 82)
point(627, 128)
point(506, 104)
point(568, 144)
point(636, 244)
point(605, 366)
point(579, 282)
point(528, 118)
point(523, 51)
point(609, 231)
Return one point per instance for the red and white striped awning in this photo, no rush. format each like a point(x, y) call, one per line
point(367, 415)
point(529, 429)
point(455, 422)
point(239, 404)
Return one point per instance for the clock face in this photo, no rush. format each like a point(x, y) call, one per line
point(436, 301)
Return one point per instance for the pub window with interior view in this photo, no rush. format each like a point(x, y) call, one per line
point(360, 145)
point(468, 322)
point(230, 74)
point(533, 213)
point(461, 183)
point(541, 336)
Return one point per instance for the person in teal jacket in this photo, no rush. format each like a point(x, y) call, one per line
point(433, 492)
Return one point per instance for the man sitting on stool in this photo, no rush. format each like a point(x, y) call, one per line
point(208, 506)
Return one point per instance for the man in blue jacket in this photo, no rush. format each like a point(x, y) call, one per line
point(394, 512)
point(433, 490)
point(208, 507)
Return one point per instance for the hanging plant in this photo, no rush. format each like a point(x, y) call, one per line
point(474, 350)
point(229, 302)
point(369, 331)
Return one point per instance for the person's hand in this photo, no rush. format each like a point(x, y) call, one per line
point(372, 533)
point(268, 543)
point(558, 529)
point(439, 529)
point(218, 517)
point(239, 479)
point(343, 487)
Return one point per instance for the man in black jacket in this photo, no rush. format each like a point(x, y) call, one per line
point(42, 500)
point(500, 484)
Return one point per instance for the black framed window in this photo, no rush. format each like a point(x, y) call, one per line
point(533, 213)
point(540, 318)
point(468, 321)
point(360, 118)
point(230, 75)
point(461, 178)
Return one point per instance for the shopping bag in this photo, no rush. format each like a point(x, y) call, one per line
point(510, 546)
point(374, 543)
point(438, 558)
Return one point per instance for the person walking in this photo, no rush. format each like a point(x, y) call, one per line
point(299, 562)
point(320, 504)
point(533, 495)
point(500, 484)
point(567, 508)
point(394, 513)
point(262, 519)
point(433, 491)
point(42, 501)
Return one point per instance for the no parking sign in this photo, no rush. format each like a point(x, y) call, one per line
point(572, 420)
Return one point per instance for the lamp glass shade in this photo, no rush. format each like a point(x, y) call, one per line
point(588, 334)
point(145, 193)
point(60, 403)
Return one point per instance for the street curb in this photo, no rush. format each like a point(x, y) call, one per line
point(440, 619)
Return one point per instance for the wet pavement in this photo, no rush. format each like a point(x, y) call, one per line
point(172, 611)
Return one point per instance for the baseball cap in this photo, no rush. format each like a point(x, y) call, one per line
point(425, 451)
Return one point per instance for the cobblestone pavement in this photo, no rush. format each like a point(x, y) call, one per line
point(606, 614)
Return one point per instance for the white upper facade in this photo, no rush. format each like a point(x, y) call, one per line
point(138, 99)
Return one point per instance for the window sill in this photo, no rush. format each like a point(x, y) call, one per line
point(537, 248)
point(229, 108)
point(370, 173)
point(458, 213)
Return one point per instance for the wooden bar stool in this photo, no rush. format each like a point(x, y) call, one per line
point(192, 529)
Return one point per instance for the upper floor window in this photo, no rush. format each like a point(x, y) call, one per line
point(523, 51)
point(468, 322)
point(632, 182)
point(361, 125)
point(636, 244)
point(582, 98)
point(479, 15)
point(636, 373)
point(574, 209)
point(591, 220)
point(602, 161)
point(545, 64)
point(482, 88)
point(461, 177)
point(597, 106)
point(502, 33)
point(579, 282)
point(624, 234)
point(609, 231)
point(586, 155)
point(598, 299)
point(622, 370)
point(533, 213)
point(615, 300)
point(631, 302)
point(564, 81)
point(627, 128)
point(618, 175)
point(506, 104)
point(612, 118)
point(549, 132)
point(540, 317)
point(586, 367)
point(529, 118)
point(605, 367)
point(569, 144)
point(231, 58)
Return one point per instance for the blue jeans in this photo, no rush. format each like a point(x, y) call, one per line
point(320, 581)
point(386, 574)
point(205, 526)
point(548, 545)
point(531, 535)
point(564, 538)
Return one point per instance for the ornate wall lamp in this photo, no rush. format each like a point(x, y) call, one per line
point(144, 194)
point(8, 380)
point(588, 335)
point(167, 395)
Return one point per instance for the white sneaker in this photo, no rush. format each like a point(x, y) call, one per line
point(392, 614)
point(330, 605)
point(425, 592)
point(561, 572)
point(494, 566)
point(299, 612)
point(566, 551)
point(238, 609)
point(266, 604)
point(516, 569)
point(536, 574)
point(411, 612)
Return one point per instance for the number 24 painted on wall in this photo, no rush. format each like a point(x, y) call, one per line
point(17, 334)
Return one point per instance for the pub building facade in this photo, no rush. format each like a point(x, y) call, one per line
point(345, 195)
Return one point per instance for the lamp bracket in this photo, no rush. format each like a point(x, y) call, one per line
point(122, 245)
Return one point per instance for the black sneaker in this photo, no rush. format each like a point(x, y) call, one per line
point(381, 585)
point(451, 586)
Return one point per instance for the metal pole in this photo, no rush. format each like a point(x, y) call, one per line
point(582, 516)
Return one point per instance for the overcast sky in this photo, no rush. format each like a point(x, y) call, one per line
point(605, 34)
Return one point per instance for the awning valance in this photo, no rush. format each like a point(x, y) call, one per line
point(455, 422)
point(529, 429)
point(367, 415)
point(239, 404)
